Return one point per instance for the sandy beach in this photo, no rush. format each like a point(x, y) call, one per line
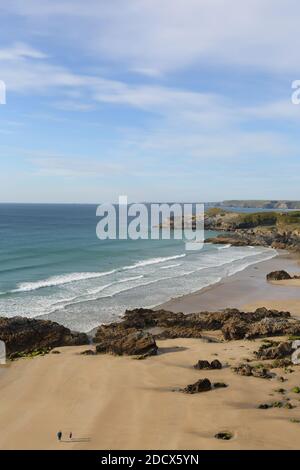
point(247, 289)
point(120, 403)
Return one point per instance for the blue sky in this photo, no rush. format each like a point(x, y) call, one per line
point(159, 100)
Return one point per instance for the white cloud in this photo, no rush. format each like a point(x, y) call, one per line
point(63, 166)
point(162, 36)
point(20, 50)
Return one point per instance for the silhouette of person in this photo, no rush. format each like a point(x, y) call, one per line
point(59, 435)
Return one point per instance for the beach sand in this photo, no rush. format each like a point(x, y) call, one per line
point(121, 403)
point(246, 289)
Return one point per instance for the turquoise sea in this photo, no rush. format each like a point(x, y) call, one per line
point(52, 265)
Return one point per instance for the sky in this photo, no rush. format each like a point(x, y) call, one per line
point(159, 100)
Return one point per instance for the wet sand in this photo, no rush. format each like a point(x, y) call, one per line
point(246, 288)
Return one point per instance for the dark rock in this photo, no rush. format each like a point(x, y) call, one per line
point(115, 339)
point(220, 385)
point(261, 372)
point(180, 332)
point(224, 436)
point(274, 351)
point(202, 385)
point(233, 323)
point(206, 365)
point(22, 334)
point(279, 363)
point(88, 352)
point(264, 406)
point(289, 406)
point(247, 370)
point(243, 369)
point(278, 276)
point(282, 391)
point(281, 379)
point(276, 404)
point(202, 365)
point(215, 364)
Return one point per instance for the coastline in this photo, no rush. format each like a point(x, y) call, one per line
point(111, 402)
point(244, 289)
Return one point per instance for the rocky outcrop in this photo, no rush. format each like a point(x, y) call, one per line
point(230, 240)
point(136, 333)
point(273, 324)
point(180, 332)
point(25, 335)
point(193, 323)
point(278, 230)
point(278, 276)
point(119, 340)
point(274, 350)
point(248, 370)
point(234, 324)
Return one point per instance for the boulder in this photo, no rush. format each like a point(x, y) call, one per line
point(247, 370)
point(202, 365)
point(261, 372)
point(21, 334)
point(202, 385)
point(240, 328)
point(224, 435)
point(216, 364)
point(243, 369)
point(205, 365)
point(274, 350)
point(88, 352)
point(278, 276)
point(115, 339)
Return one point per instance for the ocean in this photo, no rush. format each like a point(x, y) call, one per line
point(53, 266)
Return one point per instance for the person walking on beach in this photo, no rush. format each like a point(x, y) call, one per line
point(71, 435)
point(59, 435)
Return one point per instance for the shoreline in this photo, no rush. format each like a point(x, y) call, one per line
point(117, 402)
point(245, 288)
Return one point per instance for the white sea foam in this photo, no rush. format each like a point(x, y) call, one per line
point(75, 277)
point(171, 266)
point(148, 262)
point(98, 302)
point(59, 280)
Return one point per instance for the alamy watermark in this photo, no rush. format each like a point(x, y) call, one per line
point(296, 93)
point(296, 354)
point(2, 353)
point(2, 92)
point(179, 221)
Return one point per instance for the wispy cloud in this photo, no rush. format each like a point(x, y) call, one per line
point(162, 36)
point(163, 80)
